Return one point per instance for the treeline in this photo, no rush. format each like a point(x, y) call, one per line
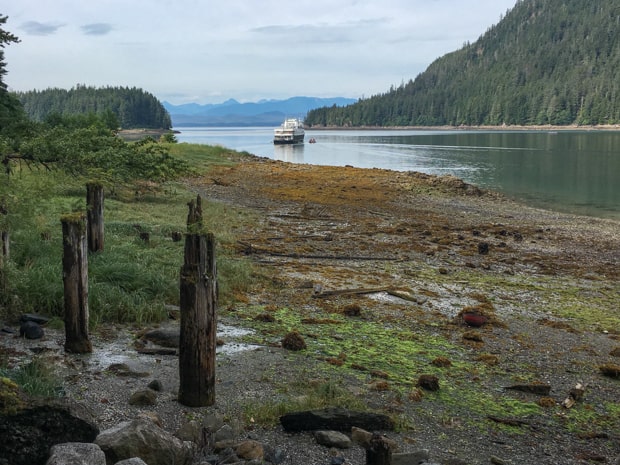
point(128, 108)
point(547, 62)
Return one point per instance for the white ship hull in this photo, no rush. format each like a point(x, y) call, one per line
point(289, 132)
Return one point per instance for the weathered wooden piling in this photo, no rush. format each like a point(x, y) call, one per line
point(94, 203)
point(4, 246)
point(198, 302)
point(75, 279)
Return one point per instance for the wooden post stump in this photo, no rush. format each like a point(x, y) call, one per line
point(4, 247)
point(75, 278)
point(94, 202)
point(198, 301)
point(4, 236)
point(379, 451)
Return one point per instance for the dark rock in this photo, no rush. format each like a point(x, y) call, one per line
point(76, 453)
point(122, 369)
point(144, 397)
point(338, 419)
point(142, 438)
point(411, 458)
point(212, 459)
point(38, 319)
point(428, 382)
point(190, 431)
point(293, 341)
point(250, 450)
point(212, 422)
point(28, 435)
point(164, 338)
point(227, 456)
point(225, 433)
point(352, 310)
point(156, 385)
point(275, 456)
point(534, 388)
point(132, 461)
point(483, 248)
point(332, 439)
point(31, 330)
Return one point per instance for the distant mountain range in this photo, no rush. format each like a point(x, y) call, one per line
point(261, 113)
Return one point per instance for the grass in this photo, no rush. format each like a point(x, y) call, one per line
point(36, 378)
point(301, 396)
point(131, 280)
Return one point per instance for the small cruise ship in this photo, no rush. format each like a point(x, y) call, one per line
point(289, 132)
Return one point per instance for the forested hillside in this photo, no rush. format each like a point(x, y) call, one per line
point(133, 108)
point(547, 62)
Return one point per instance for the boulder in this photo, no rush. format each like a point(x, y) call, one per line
point(132, 461)
point(411, 458)
point(142, 438)
point(38, 319)
point(332, 439)
point(250, 450)
point(76, 453)
point(28, 434)
point(162, 337)
point(143, 397)
point(31, 330)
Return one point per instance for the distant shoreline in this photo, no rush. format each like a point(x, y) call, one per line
point(603, 127)
point(137, 134)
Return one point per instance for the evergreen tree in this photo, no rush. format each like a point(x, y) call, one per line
point(10, 107)
point(546, 62)
point(126, 107)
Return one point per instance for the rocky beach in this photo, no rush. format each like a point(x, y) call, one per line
point(377, 271)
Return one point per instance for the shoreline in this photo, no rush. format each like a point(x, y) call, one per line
point(606, 127)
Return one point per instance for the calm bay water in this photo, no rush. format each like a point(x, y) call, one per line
point(569, 171)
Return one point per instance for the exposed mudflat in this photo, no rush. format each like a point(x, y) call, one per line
point(374, 269)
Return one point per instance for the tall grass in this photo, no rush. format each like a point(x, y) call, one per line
point(132, 279)
point(305, 397)
point(36, 378)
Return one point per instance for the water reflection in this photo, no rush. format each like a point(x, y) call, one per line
point(293, 153)
point(574, 171)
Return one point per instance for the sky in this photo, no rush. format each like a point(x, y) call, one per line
point(207, 51)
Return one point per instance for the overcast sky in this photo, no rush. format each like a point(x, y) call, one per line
point(207, 51)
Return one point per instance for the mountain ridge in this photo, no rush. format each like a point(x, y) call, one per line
point(551, 62)
point(266, 112)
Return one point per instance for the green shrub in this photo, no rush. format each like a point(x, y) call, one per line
point(37, 378)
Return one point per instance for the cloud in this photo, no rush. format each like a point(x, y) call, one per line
point(324, 33)
point(97, 29)
point(36, 28)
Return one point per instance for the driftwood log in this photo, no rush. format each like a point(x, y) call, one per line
point(337, 419)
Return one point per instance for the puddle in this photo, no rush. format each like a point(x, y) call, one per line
point(119, 350)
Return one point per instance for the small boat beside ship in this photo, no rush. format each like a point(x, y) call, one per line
point(289, 132)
